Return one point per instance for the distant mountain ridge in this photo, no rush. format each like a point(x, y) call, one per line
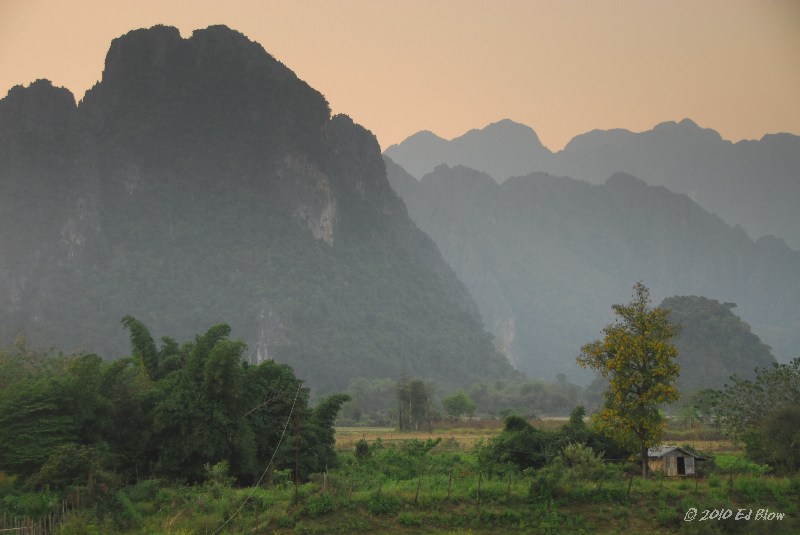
point(545, 257)
point(202, 182)
point(502, 149)
point(754, 184)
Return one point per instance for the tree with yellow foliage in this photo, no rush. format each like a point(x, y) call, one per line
point(638, 359)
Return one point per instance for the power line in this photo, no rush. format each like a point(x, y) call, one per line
point(264, 473)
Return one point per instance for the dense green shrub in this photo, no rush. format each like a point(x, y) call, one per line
point(410, 519)
point(319, 504)
point(383, 504)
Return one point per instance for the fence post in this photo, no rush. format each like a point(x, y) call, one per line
point(416, 496)
point(449, 483)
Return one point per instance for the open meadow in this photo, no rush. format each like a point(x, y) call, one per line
point(438, 482)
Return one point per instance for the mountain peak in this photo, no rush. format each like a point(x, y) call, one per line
point(501, 149)
point(141, 50)
point(624, 180)
point(506, 130)
point(214, 88)
point(688, 127)
point(40, 105)
point(207, 168)
point(159, 54)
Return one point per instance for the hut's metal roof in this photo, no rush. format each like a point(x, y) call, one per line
point(660, 451)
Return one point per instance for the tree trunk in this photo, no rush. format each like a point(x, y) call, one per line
point(644, 461)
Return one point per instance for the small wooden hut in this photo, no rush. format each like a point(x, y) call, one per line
point(673, 461)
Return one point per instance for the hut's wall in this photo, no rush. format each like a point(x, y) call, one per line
point(669, 464)
point(655, 464)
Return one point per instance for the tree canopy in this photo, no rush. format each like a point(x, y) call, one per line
point(638, 359)
point(168, 411)
point(764, 414)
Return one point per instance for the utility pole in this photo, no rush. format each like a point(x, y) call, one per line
point(297, 456)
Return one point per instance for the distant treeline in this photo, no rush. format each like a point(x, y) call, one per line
point(412, 403)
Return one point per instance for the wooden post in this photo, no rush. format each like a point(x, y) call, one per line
point(296, 457)
point(449, 483)
point(630, 482)
point(416, 496)
point(508, 491)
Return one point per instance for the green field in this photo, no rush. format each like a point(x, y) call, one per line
point(407, 483)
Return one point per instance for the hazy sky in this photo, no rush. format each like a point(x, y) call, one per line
point(397, 67)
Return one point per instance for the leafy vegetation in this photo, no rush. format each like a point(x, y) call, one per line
point(78, 422)
point(421, 486)
point(764, 414)
point(377, 402)
point(638, 358)
point(458, 405)
point(90, 479)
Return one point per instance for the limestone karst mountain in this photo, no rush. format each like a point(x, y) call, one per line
point(200, 181)
point(714, 343)
point(754, 184)
point(545, 257)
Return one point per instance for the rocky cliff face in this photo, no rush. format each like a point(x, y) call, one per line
point(200, 182)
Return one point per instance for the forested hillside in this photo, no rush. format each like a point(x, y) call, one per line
point(545, 256)
point(201, 182)
point(714, 343)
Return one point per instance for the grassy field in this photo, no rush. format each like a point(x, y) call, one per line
point(404, 488)
point(467, 432)
point(425, 505)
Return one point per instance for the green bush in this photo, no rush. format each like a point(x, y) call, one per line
point(383, 504)
point(506, 517)
point(145, 490)
point(285, 521)
point(752, 488)
point(362, 450)
point(410, 519)
point(545, 484)
point(666, 515)
point(33, 504)
point(125, 514)
point(726, 464)
point(582, 461)
point(319, 504)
